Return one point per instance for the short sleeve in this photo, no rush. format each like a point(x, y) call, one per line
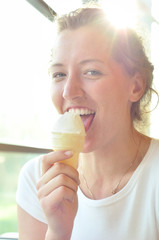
point(26, 195)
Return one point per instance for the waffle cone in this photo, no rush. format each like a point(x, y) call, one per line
point(68, 141)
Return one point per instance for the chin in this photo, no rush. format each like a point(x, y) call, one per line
point(89, 146)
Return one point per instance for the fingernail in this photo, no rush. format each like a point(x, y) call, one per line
point(68, 153)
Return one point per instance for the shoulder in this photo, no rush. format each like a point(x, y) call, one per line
point(153, 153)
point(150, 164)
point(26, 195)
point(28, 177)
point(155, 143)
point(31, 169)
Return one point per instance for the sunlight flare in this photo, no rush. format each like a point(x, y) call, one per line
point(121, 13)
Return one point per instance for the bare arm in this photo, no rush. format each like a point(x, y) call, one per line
point(29, 227)
point(56, 191)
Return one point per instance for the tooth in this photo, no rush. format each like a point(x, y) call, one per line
point(81, 111)
point(76, 111)
point(71, 110)
point(88, 111)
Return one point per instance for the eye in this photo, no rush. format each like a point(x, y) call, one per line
point(93, 74)
point(58, 76)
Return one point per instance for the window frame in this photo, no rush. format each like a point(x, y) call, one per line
point(4, 147)
point(43, 8)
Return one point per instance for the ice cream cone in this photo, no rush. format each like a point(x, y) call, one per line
point(68, 141)
point(69, 134)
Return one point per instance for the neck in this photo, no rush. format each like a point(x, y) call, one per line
point(104, 168)
point(111, 157)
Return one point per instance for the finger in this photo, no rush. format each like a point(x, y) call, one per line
point(49, 159)
point(54, 199)
point(57, 169)
point(57, 182)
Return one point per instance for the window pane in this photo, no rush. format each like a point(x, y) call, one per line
point(10, 165)
point(26, 111)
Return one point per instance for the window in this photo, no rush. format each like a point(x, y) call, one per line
point(26, 111)
point(10, 165)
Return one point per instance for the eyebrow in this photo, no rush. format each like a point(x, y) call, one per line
point(90, 60)
point(81, 62)
point(57, 65)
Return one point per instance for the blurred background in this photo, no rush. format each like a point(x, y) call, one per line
point(26, 111)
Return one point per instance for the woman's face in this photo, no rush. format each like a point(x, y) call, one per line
point(85, 79)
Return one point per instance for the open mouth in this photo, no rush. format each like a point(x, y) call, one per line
point(86, 115)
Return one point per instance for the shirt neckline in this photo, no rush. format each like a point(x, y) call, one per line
point(126, 189)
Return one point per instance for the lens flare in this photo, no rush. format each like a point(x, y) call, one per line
point(121, 13)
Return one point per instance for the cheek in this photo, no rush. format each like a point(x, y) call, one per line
point(98, 89)
point(110, 94)
point(55, 93)
point(101, 92)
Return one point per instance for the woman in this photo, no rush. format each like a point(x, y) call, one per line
point(104, 75)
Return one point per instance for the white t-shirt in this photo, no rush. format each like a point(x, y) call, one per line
point(130, 214)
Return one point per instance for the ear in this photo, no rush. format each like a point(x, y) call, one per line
point(137, 87)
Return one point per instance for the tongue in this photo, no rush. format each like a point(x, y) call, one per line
point(87, 120)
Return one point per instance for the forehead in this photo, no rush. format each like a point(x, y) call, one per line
point(84, 41)
point(82, 44)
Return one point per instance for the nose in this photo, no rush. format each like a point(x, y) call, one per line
point(72, 88)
